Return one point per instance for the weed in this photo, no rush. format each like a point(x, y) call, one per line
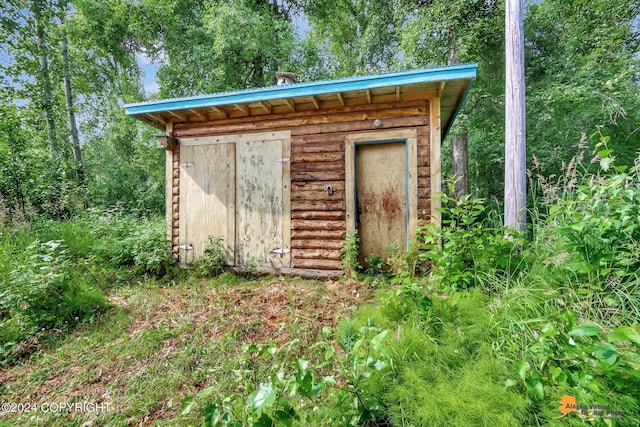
point(212, 262)
point(350, 263)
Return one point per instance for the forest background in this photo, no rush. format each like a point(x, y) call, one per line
point(93, 307)
point(68, 67)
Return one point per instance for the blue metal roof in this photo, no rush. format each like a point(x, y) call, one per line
point(427, 75)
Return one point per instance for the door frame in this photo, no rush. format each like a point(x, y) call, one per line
point(410, 138)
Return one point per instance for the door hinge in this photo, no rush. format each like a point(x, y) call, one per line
point(281, 160)
point(187, 164)
point(280, 251)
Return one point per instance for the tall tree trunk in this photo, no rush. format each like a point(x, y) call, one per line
point(459, 145)
point(73, 126)
point(459, 140)
point(515, 193)
point(44, 77)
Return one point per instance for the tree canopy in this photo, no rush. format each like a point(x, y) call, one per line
point(66, 61)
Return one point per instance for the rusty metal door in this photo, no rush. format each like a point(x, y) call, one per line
point(381, 196)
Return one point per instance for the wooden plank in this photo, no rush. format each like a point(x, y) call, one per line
point(243, 108)
point(317, 139)
point(412, 186)
point(376, 109)
point(424, 204)
point(423, 162)
point(420, 95)
point(286, 202)
point(303, 224)
point(321, 215)
point(259, 201)
point(169, 174)
point(220, 111)
point(157, 118)
point(334, 254)
point(316, 244)
point(317, 176)
point(268, 122)
point(340, 98)
point(317, 195)
point(367, 125)
point(318, 234)
point(327, 156)
point(424, 182)
point(180, 116)
point(317, 167)
point(327, 147)
point(435, 162)
point(234, 138)
point(368, 96)
point(315, 102)
point(424, 172)
point(266, 106)
point(316, 186)
point(198, 114)
point(207, 193)
point(317, 205)
point(321, 264)
point(290, 104)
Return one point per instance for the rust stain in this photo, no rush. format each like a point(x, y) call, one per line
point(391, 205)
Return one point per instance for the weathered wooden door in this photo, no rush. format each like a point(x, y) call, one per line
point(207, 196)
point(261, 217)
point(381, 196)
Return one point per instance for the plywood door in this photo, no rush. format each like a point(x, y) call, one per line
point(381, 196)
point(207, 198)
point(259, 197)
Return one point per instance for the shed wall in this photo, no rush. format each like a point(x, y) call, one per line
point(318, 224)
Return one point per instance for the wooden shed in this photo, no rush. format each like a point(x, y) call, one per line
point(282, 174)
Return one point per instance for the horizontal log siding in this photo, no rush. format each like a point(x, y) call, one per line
point(317, 160)
point(318, 226)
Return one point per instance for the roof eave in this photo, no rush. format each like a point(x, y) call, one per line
point(440, 74)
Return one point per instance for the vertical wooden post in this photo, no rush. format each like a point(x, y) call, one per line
point(168, 206)
point(515, 193)
point(435, 162)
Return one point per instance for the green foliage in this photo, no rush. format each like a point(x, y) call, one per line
point(213, 261)
point(146, 249)
point(350, 262)
point(463, 246)
point(441, 369)
point(48, 288)
point(45, 294)
point(275, 401)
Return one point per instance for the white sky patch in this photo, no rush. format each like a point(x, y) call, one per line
point(150, 70)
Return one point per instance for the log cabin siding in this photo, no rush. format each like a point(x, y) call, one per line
point(318, 227)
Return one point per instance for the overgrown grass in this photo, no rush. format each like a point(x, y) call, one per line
point(55, 275)
point(497, 331)
point(158, 345)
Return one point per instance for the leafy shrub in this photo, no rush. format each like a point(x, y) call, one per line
point(46, 294)
point(464, 246)
point(141, 245)
point(212, 262)
point(350, 263)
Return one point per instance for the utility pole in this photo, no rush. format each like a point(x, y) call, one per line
point(515, 182)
